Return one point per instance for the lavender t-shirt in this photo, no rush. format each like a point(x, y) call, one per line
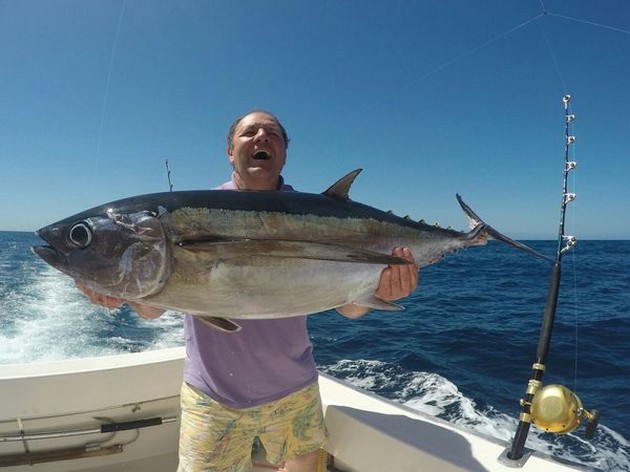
point(265, 360)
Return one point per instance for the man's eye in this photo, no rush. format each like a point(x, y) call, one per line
point(248, 133)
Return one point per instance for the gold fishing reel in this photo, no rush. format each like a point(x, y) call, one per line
point(556, 409)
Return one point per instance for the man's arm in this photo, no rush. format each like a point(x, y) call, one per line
point(397, 281)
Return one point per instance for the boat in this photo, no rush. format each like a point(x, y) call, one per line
point(121, 413)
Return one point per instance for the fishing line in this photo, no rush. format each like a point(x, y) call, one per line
point(573, 158)
point(109, 79)
point(576, 320)
point(576, 323)
point(573, 186)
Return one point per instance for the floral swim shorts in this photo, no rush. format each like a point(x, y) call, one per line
point(214, 437)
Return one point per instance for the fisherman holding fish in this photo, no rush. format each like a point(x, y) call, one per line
point(260, 381)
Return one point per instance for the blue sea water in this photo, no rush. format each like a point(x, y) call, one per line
point(462, 350)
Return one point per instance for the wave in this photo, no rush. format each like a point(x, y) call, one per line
point(44, 318)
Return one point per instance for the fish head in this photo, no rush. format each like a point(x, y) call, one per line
point(121, 255)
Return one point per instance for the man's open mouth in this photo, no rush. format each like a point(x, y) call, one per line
point(262, 155)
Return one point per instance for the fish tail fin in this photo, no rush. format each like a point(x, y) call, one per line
point(481, 231)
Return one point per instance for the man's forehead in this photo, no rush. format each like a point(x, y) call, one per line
point(258, 119)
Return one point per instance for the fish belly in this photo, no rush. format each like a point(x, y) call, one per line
point(262, 287)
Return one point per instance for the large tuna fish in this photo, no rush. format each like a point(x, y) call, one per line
point(224, 255)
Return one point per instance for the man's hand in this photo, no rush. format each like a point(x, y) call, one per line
point(397, 281)
point(145, 311)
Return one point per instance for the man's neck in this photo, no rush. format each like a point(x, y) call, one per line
point(241, 184)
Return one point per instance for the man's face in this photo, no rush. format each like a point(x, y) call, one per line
point(258, 152)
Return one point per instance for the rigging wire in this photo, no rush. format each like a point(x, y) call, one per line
point(99, 138)
point(588, 22)
point(544, 12)
point(474, 49)
point(448, 63)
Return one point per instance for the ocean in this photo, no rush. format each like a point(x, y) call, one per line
point(462, 350)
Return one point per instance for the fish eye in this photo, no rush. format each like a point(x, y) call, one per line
point(80, 235)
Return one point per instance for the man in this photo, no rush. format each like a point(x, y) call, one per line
point(260, 381)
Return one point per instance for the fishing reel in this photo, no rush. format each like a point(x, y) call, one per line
point(556, 409)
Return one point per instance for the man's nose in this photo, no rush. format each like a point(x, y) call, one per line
point(261, 135)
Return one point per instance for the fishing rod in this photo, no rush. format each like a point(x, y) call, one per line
point(554, 408)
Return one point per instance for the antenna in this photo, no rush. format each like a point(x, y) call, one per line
point(168, 175)
point(554, 408)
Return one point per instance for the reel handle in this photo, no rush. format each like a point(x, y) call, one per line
point(593, 421)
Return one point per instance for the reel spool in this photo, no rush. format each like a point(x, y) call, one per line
point(556, 409)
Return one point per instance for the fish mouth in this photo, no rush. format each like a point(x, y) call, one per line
point(50, 255)
point(50, 252)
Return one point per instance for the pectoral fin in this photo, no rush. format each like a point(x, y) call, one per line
point(291, 249)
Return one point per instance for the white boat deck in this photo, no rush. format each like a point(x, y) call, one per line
point(57, 408)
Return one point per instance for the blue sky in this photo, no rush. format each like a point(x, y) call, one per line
point(431, 98)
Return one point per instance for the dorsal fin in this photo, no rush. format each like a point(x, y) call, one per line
point(340, 189)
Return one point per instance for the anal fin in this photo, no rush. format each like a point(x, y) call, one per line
point(376, 303)
point(222, 324)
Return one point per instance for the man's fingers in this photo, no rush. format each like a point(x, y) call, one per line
point(398, 281)
point(385, 284)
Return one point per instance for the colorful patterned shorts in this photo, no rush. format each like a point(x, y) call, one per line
point(214, 437)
